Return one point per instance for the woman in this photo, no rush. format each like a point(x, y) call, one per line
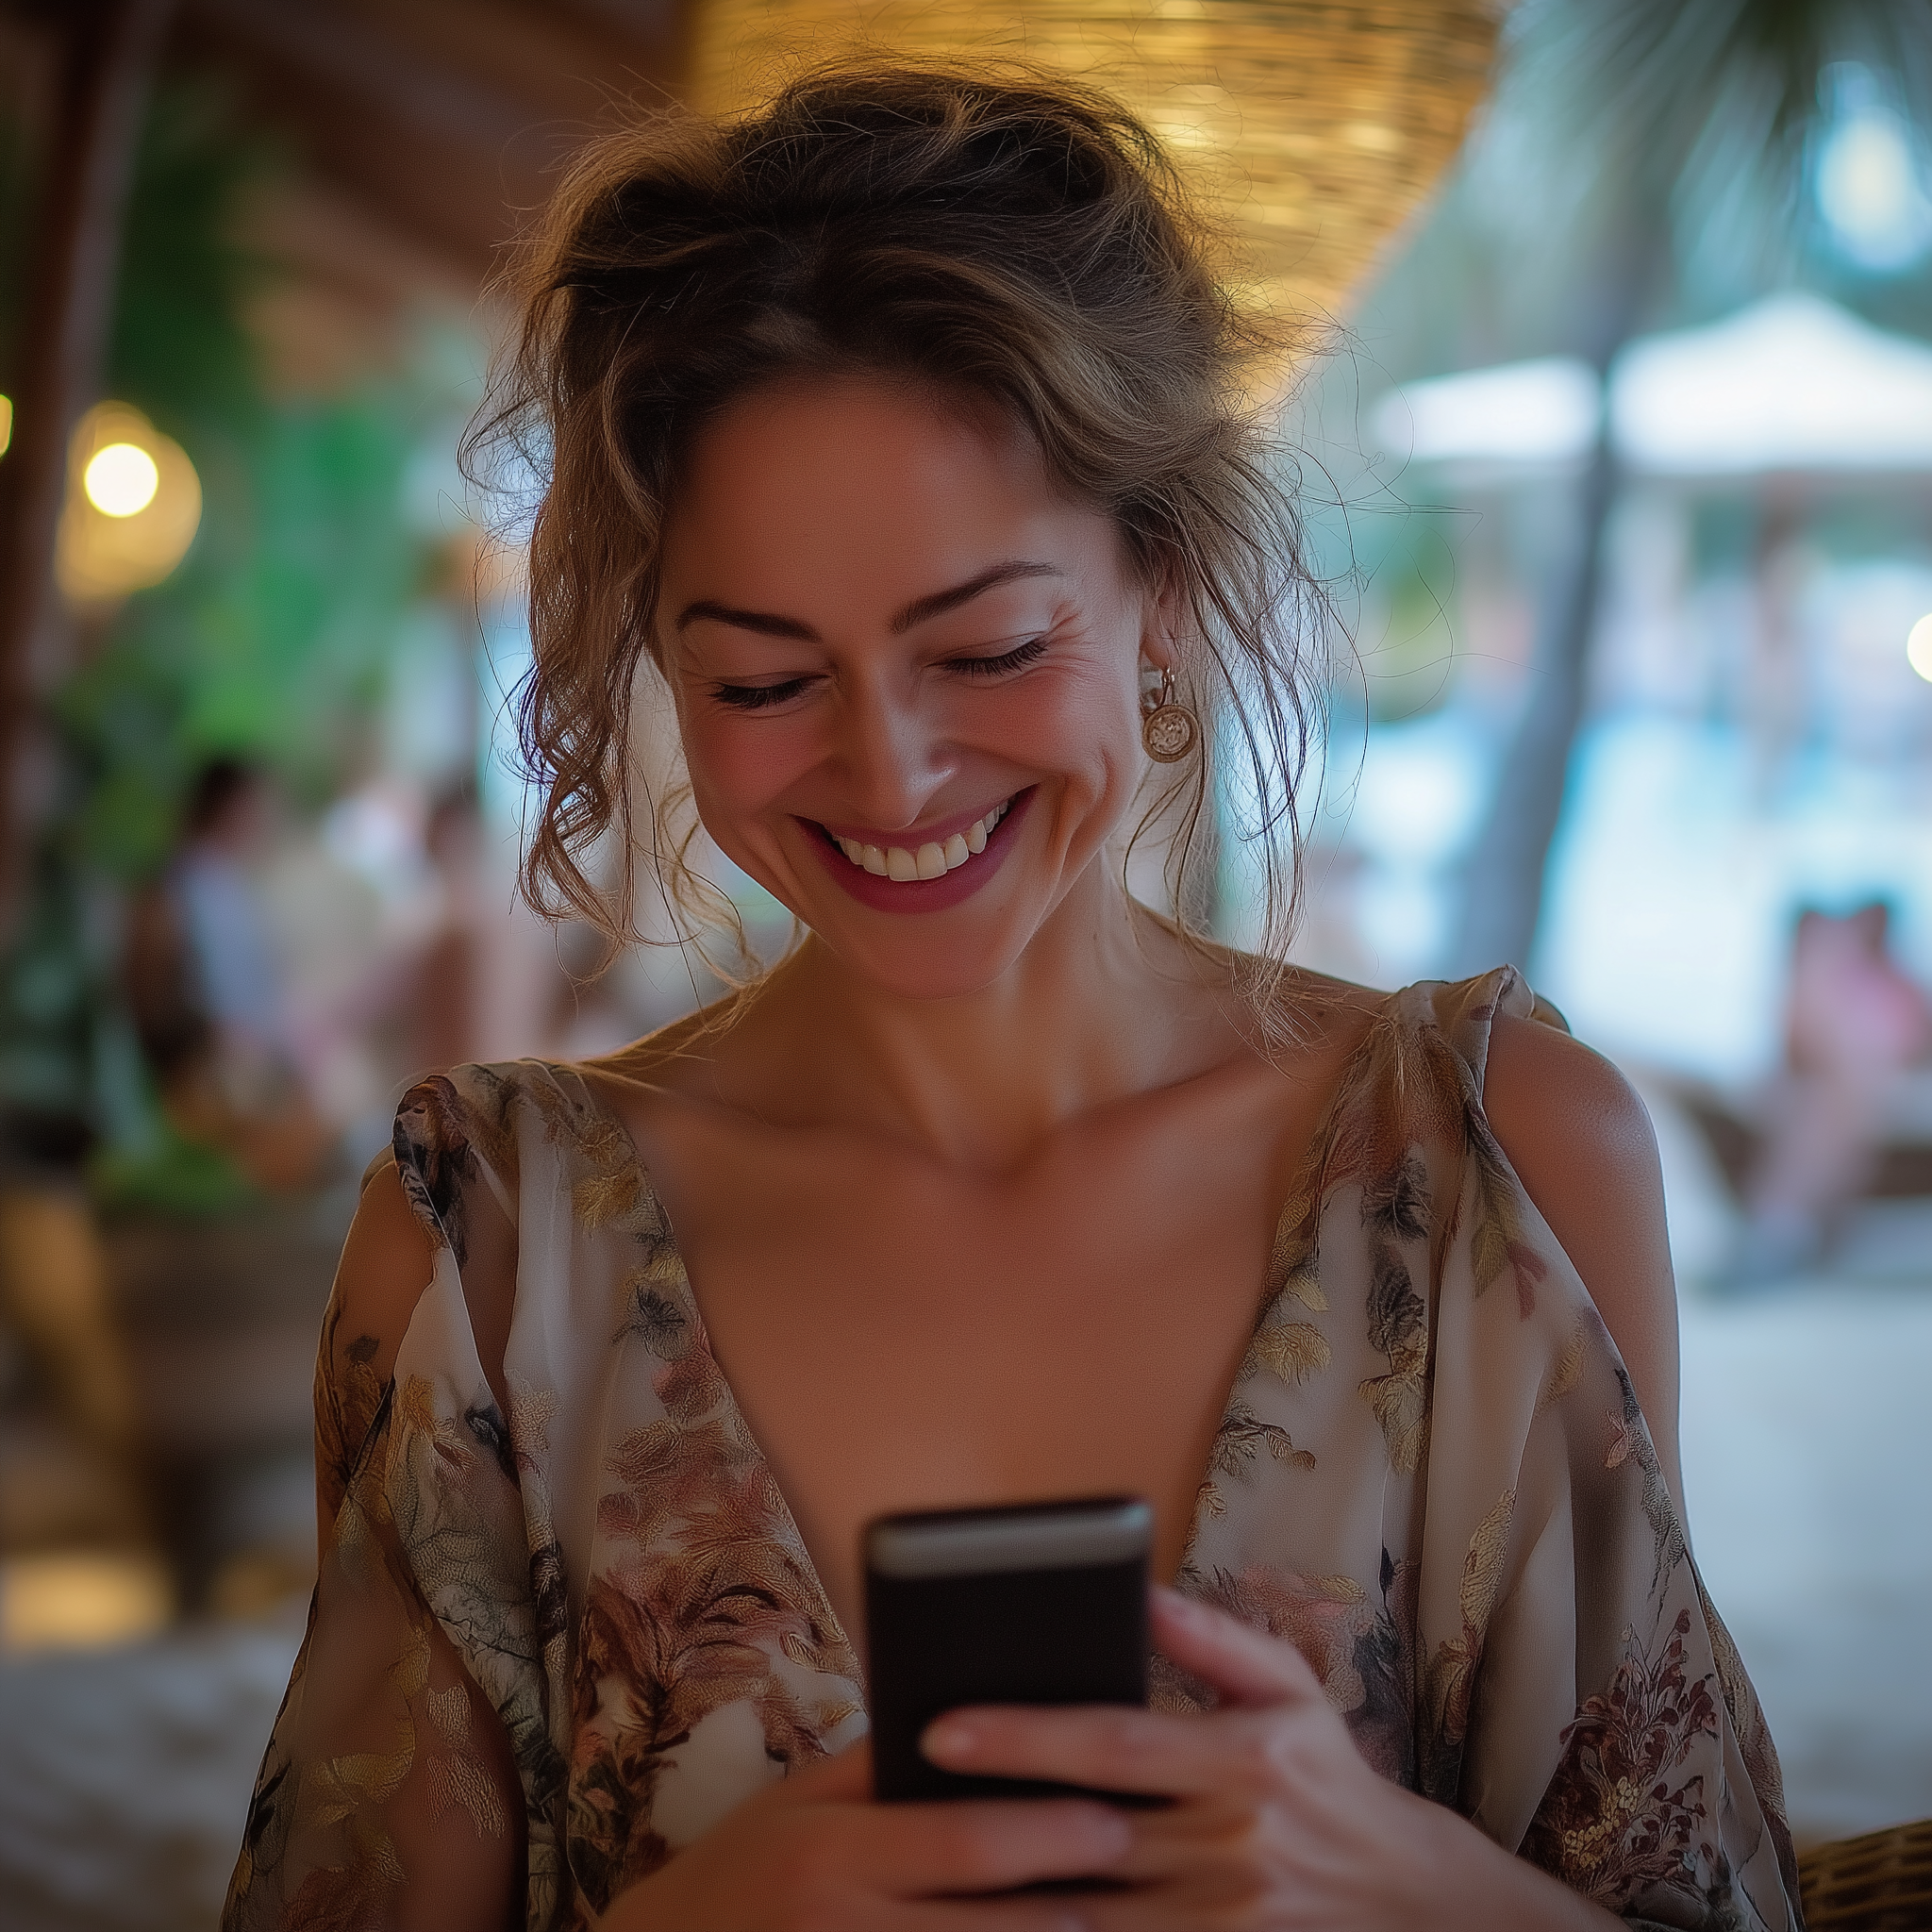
point(890, 434)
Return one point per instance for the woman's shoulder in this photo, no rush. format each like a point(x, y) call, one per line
point(388, 1262)
point(446, 1186)
point(447, 1180)
point(471, 1129)
point(1565, 1116)
point(1580, 1145)
point(678, 1054)
point(1558, 1106)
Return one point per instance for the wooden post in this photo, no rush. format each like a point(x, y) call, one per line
point(106, 62)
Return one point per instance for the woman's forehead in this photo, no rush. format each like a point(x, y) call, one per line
point(849, 476)
point(806, 429)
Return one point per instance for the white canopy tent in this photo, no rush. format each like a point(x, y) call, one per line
point(1793, 383)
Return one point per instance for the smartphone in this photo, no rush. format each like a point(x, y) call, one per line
point(1041, 1603)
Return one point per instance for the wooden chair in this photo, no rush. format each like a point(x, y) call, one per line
point(1879, 1883)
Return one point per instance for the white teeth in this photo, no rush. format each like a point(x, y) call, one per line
point(931, 860)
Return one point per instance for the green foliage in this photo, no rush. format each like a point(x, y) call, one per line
point(270, 641)
point(1406, 648)
point(1640, 86)
point(166, 1174)
point(178, 348)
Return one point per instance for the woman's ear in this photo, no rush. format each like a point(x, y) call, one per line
point(1162, 622)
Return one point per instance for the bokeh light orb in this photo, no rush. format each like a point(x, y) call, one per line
point(133, 507)
point(121, 480)
point(1919, 647)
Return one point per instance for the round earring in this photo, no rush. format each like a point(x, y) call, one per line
point(1169, 730)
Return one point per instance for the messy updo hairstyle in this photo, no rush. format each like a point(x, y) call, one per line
point(1004, 236)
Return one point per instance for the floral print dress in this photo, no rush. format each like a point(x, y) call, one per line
point(1432, 1475)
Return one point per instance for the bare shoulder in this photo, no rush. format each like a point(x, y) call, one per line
point(676, 1054)
point(1582, 1147)
point(1328, 1018)
point(387, 1264)
point(1547, 1093)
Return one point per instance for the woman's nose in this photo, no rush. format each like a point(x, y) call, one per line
point(895, 756)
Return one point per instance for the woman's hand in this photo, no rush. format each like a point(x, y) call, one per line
point(1277, 1821)
point(814, 1854)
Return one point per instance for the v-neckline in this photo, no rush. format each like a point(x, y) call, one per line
point(1304, 1195)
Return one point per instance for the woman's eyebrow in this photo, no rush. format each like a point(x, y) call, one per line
point(765, 622)
point(770, 623)
point(941, 601)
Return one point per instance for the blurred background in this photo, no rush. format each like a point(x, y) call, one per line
point(1614, 428)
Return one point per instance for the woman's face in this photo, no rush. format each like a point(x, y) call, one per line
point(907, 673)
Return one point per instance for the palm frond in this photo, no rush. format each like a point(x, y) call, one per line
point(1648, 84)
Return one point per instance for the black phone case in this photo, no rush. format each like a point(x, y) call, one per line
point(1071, 1634)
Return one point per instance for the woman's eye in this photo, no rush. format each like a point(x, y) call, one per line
point(755, 697)
point(1016, 659)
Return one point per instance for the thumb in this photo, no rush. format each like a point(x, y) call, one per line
point(842, 1779)
point(1247, 1666)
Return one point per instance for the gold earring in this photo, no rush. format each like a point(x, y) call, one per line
point(1169, 730)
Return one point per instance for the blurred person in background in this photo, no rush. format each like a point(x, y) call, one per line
point(897, 443)
point(1856, 1023)
point(206, 991)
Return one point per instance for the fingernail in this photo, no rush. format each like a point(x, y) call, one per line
point(949, 1737)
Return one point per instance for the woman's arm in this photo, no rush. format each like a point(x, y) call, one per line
point(1582, 1145)
point(388, 1796)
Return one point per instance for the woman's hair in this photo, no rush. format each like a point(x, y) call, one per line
point(1004, 236)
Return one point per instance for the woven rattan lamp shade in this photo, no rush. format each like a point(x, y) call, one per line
point(1312, 129)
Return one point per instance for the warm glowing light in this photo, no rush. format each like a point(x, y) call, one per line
point(1919, 647)
point(5, 423)
point(1312, 129)
point(133, 507)
point(121, 480)
point(80, 1600)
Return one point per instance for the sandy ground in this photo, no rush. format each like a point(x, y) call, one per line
point(1808, 1443)
point(124, 1775)
point(1807, 1468)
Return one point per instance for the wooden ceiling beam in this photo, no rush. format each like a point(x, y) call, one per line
point(107, 64)
point(566, 71)
point(445, 199)
point(448, 117)
point(333, 52)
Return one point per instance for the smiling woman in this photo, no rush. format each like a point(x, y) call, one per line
point(1022, 258)
point(893, 444)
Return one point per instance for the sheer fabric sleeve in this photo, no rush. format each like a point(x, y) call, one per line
point(390, 1793)
point(1660, 1796)
point(1436, 1479)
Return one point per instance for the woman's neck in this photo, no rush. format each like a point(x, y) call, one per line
point(1105, 1002)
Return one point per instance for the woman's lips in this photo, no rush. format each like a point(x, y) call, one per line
point(926, 875)
point(928, 858)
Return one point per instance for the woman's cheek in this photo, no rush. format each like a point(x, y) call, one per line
point(738, 766)
point(1073, 728)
